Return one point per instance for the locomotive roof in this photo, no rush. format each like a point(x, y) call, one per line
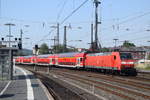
point(99, 54)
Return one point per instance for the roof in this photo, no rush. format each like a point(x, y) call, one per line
point(100, 54)
point(44, 56)
point(70, 54)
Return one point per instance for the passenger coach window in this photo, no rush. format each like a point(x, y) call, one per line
point(81, 59)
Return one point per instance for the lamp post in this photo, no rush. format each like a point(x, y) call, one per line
point(9, 25)
point(10, 51)
point(115, 42)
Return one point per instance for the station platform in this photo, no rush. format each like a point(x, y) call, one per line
point(25, 86)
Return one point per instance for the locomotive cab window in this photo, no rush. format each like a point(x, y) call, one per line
point(125, 56)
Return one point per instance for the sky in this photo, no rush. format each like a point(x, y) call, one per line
point(121, 19)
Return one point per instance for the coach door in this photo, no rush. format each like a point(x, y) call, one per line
point(56, 61)
point(50, 61)
point(79, 60)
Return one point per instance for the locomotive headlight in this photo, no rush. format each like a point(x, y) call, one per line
point(130, 62)
point(123, 62)
point(127, 62)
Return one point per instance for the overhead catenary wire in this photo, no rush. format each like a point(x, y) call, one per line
point(58, 16)
point(129, 19)
point(131, 39)
point(134, 18)
point(66, 18)
point(61, 10)
point(129, 34)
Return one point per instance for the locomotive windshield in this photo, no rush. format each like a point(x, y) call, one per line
point(125, 56)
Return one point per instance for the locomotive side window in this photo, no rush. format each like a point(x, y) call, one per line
point(125, 56)
point(114, 57)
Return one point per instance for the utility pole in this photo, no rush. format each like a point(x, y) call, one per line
point(55, 48)
point(57, 33)
point(65, 38)
point(96, 44)
point(21, 32)
point(92, 36)
point(57, 36)
point(55, 39)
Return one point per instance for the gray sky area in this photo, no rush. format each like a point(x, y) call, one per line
point(121, 19)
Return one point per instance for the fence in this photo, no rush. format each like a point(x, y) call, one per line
point(4, 65)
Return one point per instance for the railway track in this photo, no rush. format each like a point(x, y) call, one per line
point(57, 91)
point(125, 88)
point(144, 75)
point(45, 81)
point(122, 90)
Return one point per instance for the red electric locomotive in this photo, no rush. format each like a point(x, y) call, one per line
point(111, 62)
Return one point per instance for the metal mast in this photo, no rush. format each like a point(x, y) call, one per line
point(91, 33)
point(57, 33)
point(96, 44)
point(65, 38)
point(92, 46)
point(21, 32)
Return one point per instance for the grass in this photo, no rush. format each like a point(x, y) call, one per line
point(143, 66)
point(147, 67)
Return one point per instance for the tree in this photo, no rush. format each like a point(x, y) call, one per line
point(60, 49)
point(128, 44)
point(105, 49)
point(57, 48)
point(44, 49)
